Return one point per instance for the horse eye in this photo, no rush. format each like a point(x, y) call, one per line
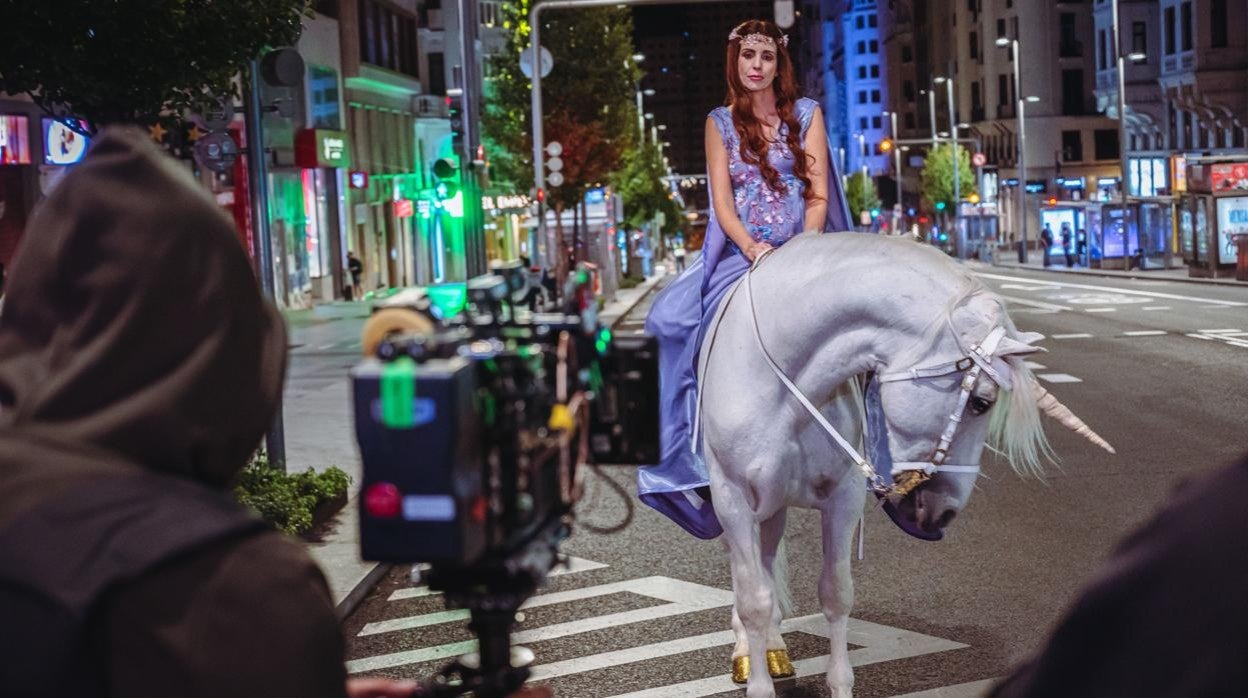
point(979, 405)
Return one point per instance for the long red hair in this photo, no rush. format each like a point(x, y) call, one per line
point(754, 146)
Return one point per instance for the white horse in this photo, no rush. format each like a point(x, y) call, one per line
point(828, 309)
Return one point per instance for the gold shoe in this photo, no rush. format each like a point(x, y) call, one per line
point(740, 669)
point(778, 665)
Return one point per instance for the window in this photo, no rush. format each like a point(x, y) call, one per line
point(906, 54)
point(907, 88)
point(387, 38)
point(862, 96)
point(862, 47)
point(909, 120)
point(872, 21)
point(1072, 146)
point(875, 122)
point(1015, 25)
point(875, 46)
point(875, 96)
point(862, 123)
point(437, 74)
point(875, 71)
point(974, 44)
point(1000, 28)
point(1003, 90)
point(1101, 50)
point(1073, 103)
point(1169, 31)
point(977, 97)
point(861, 23)
point(1069, 46)
point(1139, 39)
point(1218, 35)
point(1187, 26)
point(1106, 143)
point(862, 72)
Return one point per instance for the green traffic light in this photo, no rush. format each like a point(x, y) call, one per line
point(940, 205)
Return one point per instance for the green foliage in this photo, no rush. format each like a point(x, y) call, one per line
point(861, 194)
point(588, 98)
point(134, 60)
point(288, 500)
point(630, 282)
point(937, 179)
point(640, 183)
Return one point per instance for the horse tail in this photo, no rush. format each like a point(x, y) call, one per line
point(780, 577)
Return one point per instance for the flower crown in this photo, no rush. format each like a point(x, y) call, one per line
point(762, 39)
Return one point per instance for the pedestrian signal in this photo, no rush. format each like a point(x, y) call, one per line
point(446, 171)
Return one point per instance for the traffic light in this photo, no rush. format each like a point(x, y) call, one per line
point(446, 171)
point(886, 146)
point(973, 198)
point(875, 213)
point(455, 109)
point(940, 205)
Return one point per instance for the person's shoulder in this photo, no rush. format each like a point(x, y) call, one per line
point(806, 104)
point(719, 113)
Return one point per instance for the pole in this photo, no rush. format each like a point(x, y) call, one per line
point(931, 113)
point(1123, 183)
point(641, 120)
point(957, 167)
point(896, 156)
point(1022, 155)
point(258, 180)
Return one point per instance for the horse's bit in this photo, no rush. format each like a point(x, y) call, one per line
point(978, 360)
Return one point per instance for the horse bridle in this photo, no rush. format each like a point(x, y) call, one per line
point(978, 360)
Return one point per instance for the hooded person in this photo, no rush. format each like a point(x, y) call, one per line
point(139, 368)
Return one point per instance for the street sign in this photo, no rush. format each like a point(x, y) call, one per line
point(554, 179)
point(526, 62)
point(216, 151)
point(978, 160)
point(554, 164)
point(218, 115)
point(554, 149)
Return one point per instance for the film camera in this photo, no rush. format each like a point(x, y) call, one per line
point(476, 420)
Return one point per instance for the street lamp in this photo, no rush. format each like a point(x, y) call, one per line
point(639, 57)
point(1022, 145)
point(892, 117)
point(931, 112)
point(1124, 180)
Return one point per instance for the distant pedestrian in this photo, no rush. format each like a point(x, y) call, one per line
point(355, 267)
point(1081, 247)
point(1046, 239)
point(679, 254)
point(1066, 247)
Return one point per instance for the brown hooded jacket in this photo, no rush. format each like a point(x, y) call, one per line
point(139, 367)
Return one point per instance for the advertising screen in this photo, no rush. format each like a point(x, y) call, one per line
point(1232, 220)
point(61, 144)
point(14, 141)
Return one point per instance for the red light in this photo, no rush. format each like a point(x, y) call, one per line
point(448, 100)
point(541, 195)
point(479, 510)
point(382, 500)
point(922, 219)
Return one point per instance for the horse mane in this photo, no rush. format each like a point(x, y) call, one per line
point(1015, 430)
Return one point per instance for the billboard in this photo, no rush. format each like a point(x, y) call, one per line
point(14, 140)
point(61, 144)
point(1232, 220)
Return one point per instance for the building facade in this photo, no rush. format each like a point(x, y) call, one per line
point(861, 80)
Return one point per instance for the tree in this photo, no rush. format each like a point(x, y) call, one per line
point(937, 179)
point(640, 183)
point(135, 60)
point(861, 194)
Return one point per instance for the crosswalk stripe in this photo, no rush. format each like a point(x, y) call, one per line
point(1144, 333)
point(1058, 378)
point(1034, 366)
point(974, 689)
point(575, 564)
point(1100, 310)
point(1077, 335)
point(1156, 307)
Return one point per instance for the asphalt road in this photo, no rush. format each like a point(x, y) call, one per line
point(1159, 369)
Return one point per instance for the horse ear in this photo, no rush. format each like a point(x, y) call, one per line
point(1019, 347)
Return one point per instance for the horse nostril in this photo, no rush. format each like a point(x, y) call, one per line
point(946, 518)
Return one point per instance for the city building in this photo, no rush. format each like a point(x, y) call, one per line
point(24, 169)
point(857, 122)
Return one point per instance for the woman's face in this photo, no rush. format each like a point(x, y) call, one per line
point(756, 66)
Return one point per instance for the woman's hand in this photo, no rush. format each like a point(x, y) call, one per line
point(755, 250)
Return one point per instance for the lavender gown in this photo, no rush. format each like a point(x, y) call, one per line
point(677, 317)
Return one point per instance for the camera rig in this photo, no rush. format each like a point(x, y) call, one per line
point(474, 417)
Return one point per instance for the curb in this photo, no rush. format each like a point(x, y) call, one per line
point(365, 586)
point(1111, 274)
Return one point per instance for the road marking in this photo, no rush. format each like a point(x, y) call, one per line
point(1077, 335)
point(1156, 307)
point(1059, 378)
point(1034, 366)
point(974, 689)
point(323, 347)
point(1153, 294)
point(1100, 310)
point(1198, 336)
point(1144, 333)
point(1230, 331)
point(876, 643)
point(1035, 304)
point(575, 564)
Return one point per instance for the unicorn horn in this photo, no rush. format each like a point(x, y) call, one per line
point(1068, 419)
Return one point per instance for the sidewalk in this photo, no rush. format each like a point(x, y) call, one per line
point(320, 433)
point(1008, 259)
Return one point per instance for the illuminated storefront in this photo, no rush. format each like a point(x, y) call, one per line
point(506, 238)
point(1213, 211)
point(16, 178)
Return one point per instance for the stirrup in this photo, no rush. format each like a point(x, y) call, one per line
point(778, 666)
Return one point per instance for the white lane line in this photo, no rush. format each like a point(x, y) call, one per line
point(575, 564)
point(876, 643)
point(1144, 333)
point(1100, 310)
point(974, 689)
point(1034, 366)
point(1035, 304)
point(1230, 331)
point(1151, 294)
point(1058, 378)
point(1195, 335)
point(682, 597)
point(1156, 307)
point(1077, 335)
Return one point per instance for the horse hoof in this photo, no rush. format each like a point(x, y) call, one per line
point(778, 664)
point(740, 669)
